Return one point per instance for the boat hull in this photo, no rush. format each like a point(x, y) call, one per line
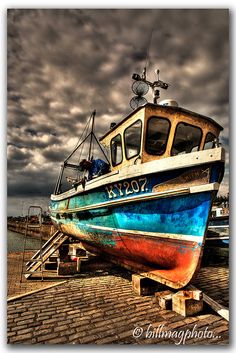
point(153, 224)
point(165, 234)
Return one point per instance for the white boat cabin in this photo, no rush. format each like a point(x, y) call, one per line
point(155, 131)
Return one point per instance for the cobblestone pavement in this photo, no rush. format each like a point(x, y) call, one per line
point(14, 286)
point(214, 281)
point(103, 309)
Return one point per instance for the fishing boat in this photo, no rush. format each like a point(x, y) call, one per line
point(219, 218)
point(146, 205)
point(218, 228)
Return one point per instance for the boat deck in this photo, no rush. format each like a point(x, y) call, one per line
point(100, 307)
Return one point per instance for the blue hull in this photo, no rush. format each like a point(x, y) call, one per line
point(138, 223)
point(181, 215)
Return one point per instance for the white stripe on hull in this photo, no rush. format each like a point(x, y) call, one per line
point(218, 238)
point(185, 237)
point(226, 226)
point(192, 238)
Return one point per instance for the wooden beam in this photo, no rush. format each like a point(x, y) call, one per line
point(15, 297)
point(218, 308)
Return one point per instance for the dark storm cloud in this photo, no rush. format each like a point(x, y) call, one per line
point(17, 158)
point(62, 64)
point(17, 154)
point(38, 186)
point(55, 156)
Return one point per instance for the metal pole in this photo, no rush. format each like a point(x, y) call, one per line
point(101, 149)
point(22, 208)
point(91, 134)
point(57, 187)
point(76, 148)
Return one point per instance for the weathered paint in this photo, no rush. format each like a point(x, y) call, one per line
point(168, 165)
point(164, 235)
point(174, 114)
point(143, 185)
point(186, 215)
point(175, 258)
point(123, 216)
point(179, 275)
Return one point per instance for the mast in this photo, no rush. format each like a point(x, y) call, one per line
point(91, 134)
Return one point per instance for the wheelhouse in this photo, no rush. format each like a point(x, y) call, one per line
point(154, 132)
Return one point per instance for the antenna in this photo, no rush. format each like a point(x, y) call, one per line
point(140, 88)
point(141, 85)
point(147, 55)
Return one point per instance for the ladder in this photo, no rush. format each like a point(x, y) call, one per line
point(46, 250)
point(29, 227)
point(41, 256)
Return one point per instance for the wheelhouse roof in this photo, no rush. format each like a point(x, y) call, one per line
point(167, 108)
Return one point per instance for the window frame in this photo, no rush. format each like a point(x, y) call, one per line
point(168, 134)
point(122, 157)
point(195, 126)
point(140, 140)
point(209, 132)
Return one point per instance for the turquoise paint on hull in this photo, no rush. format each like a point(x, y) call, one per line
point(179, 215)
point(185, 215)
point(100, 195)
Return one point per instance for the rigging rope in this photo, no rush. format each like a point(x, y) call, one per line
point(85, 132)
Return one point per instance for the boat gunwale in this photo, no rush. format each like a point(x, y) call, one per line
point(146, 197)
point(182, 161)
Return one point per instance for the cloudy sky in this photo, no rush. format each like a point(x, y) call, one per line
point(62, 64)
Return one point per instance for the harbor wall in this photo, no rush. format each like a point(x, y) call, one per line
point(19, 227)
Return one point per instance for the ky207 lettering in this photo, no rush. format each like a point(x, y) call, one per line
point(126, 188)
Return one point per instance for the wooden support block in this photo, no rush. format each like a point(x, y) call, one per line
point(67, 268)
point(83, 264)
point(144, 286)
point(78, 265)
point(162, 293)
point(75, 250)
point(184, 304)
point(194, 294)
point(165, 302)
point(164, 299)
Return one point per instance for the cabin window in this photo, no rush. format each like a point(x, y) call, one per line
point(157, 135)
point(116, 150)
point(209, 141)
point(187, 139)
point(132, 137)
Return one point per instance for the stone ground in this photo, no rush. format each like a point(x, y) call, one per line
point(214, 281)
point(14, 286)
point(101, 308)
